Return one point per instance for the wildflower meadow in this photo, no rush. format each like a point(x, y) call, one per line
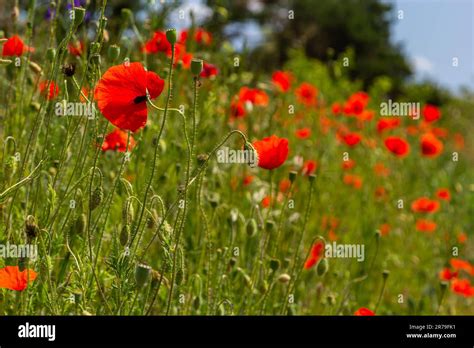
point(148, 170)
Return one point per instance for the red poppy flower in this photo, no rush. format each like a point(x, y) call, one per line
point(425, 205)
point(266, 201)
point(306, 94)
point(76, 48)
point(423, 225)
point(272, 151)
point(303, 133)
point(397, 146)
point(117, 141)
point(356, 103)
point(309, 167)
point(459, 141)
point(444, 194)
point(237, 109)
point(52, 92)
point(317, 251)
point(462, 237)
point(121, 95)
point(431, 113)
point(336, 108)
point(349, 164)
point(351, 139)
point(430, 145)
point(11, 278)
point(247, 180)
point(381, 170)
point(462, 287)
point(463, 265)
point(203, 37)
point(284, 185)
point(364, 312)
point(385, 229)
point(352, 180)
point(447, 274)
point(209, 70)
point(158, 43)
point(14, 46)
point(282, 80)
point(387, 123)
point(254, 96)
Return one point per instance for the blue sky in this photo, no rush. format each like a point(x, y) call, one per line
point(432, 33)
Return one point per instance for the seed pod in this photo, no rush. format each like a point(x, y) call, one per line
point(31, 228)
point(50, 54)
point(171, 37)
point(142, 273)
point(251, 227)
point(284, 278)
point(196, 66)
point(270, 225)
point(124, 235)
point(69, 69)
point(150, 221)
point(80, 224)
point(322, 267)
point(113, 52)
point(385, 274)
point(202, 158)
point(312, 177)
point(197, 302)
point(96, 198)
point(79, 14)
point(292, 175)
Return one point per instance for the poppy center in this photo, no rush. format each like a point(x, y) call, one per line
point(139, 99)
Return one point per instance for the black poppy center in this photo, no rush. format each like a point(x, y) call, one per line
point(139, 99)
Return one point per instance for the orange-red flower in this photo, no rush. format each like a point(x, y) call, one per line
point(397, 146)
point(381, 170)
point(444, 194)
point(272, 151)
point(284, 185)
point(349, 164)
point(121, 95)
point(385, 229)
point(387, 123)
point(76, 48)
point(203, 37)
point(462, 287)
point(336, 108)
point(317, 251)
point(50, 92)
point(117, 141)
point(237, 109)
point(303, 133)
point(209, 70)
point(247, 180)
point(11, 278)
point(356, 103)
point(425, 205)
point(266, 201)
point(352, 180)
point(254, 96)
point(352, 139)
point(430, 145)
point(282, 80)
point(309, 167)
point(459, 264)
point(447, 274)
point(364, 312)
point(14, 46)
point(424, 225)
point(306, 94)
point(158, 43)
point(431, 113)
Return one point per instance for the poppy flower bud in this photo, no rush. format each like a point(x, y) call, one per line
point(79, 226)
point(127, 213)
point(31, 229)
point(252, 154)
point(284, 278)
point(95, 58)
point(270, 225)
point(196, 66)
point(274, 264)
point(142, 273)
point(10, 167)
point(79, 14)
point(113, 52)
point(96, 198)
point(171, 37)
point(197, 302)
point(251, 227)
point(51, 54)
point(124, 235)
point(292, 175)
point(180, 276)
point(69, 69)
point(322, 267)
